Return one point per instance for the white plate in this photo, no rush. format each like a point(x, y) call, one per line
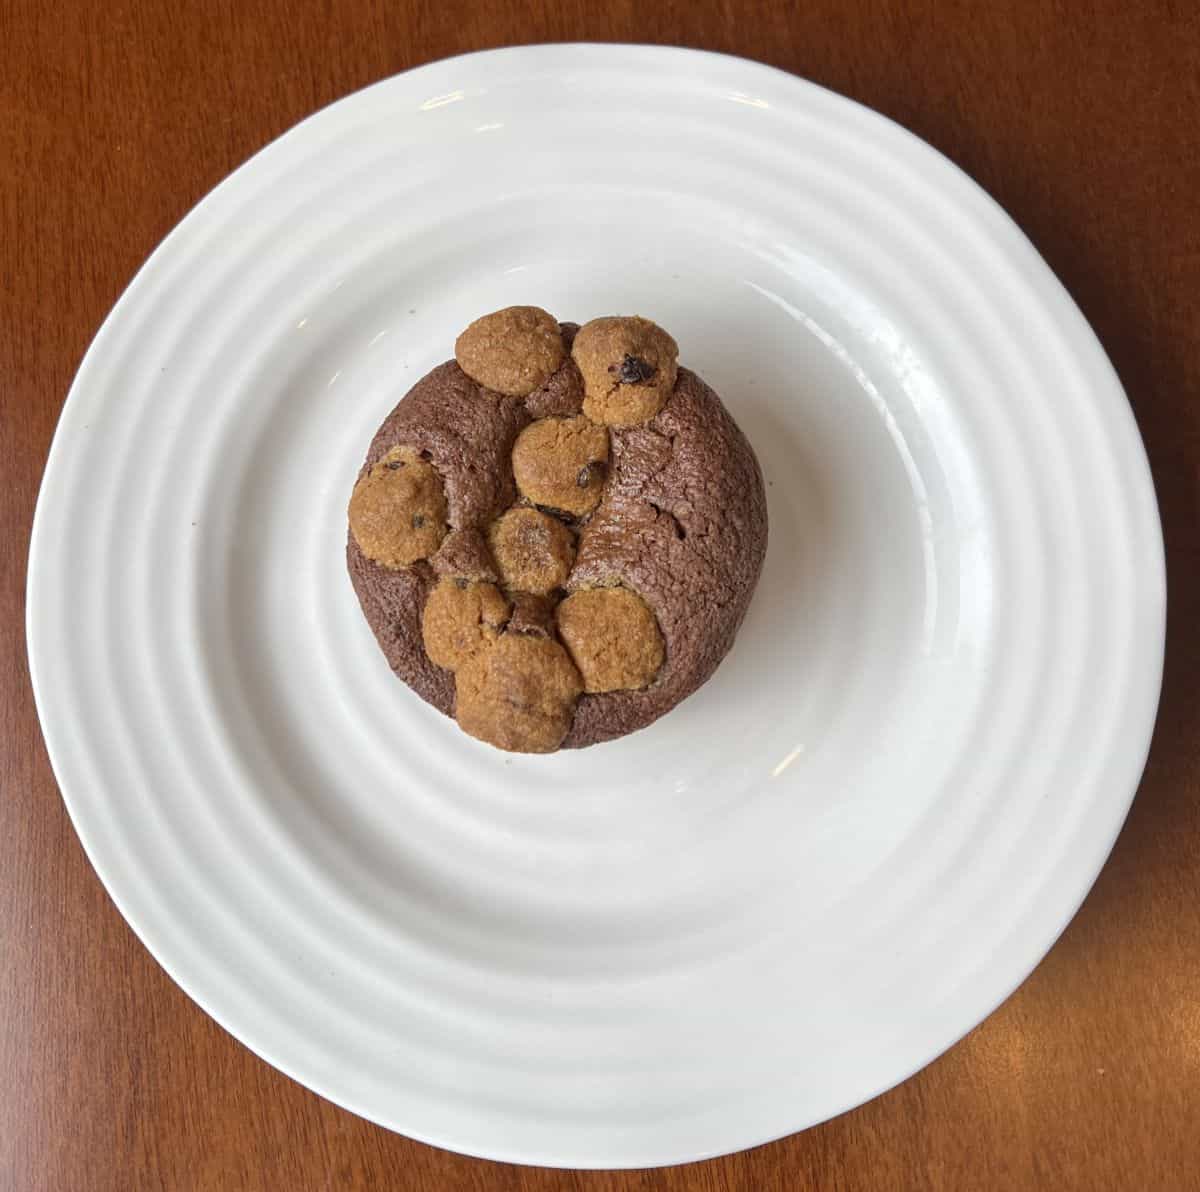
point(804, 883)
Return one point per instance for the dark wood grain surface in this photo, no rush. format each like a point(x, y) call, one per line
point(1081, 118)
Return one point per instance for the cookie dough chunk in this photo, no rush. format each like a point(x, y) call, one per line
point(562, 462)
point(513, 351)
point(461, 618)
point(398, 509)
point(628, 367)
point(612, 637)
point(519, 695)
point(533, 551)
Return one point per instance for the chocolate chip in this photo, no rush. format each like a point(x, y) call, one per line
point(568, 519)
point(427, 456)
point(635, 371)
point(585, 476)
point(418, 520)
point(461, 583)
point(393, 464)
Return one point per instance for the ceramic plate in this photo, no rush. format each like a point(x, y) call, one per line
point(809, 879)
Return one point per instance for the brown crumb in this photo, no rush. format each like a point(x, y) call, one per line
point(532, 614)
point(464, 555)
point(398, 509)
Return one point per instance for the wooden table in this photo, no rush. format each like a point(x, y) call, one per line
point(1081, 119)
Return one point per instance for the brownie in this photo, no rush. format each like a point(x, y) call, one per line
point(681, 524)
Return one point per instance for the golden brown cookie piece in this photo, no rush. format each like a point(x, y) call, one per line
point(612, 637)
point(398, 509)
point(533, 551)
point(561, 462)
point(513, 351)
point(519, 694)
point(628, 366)
point(460, 619)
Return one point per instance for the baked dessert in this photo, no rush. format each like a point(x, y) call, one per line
point(555, 536)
